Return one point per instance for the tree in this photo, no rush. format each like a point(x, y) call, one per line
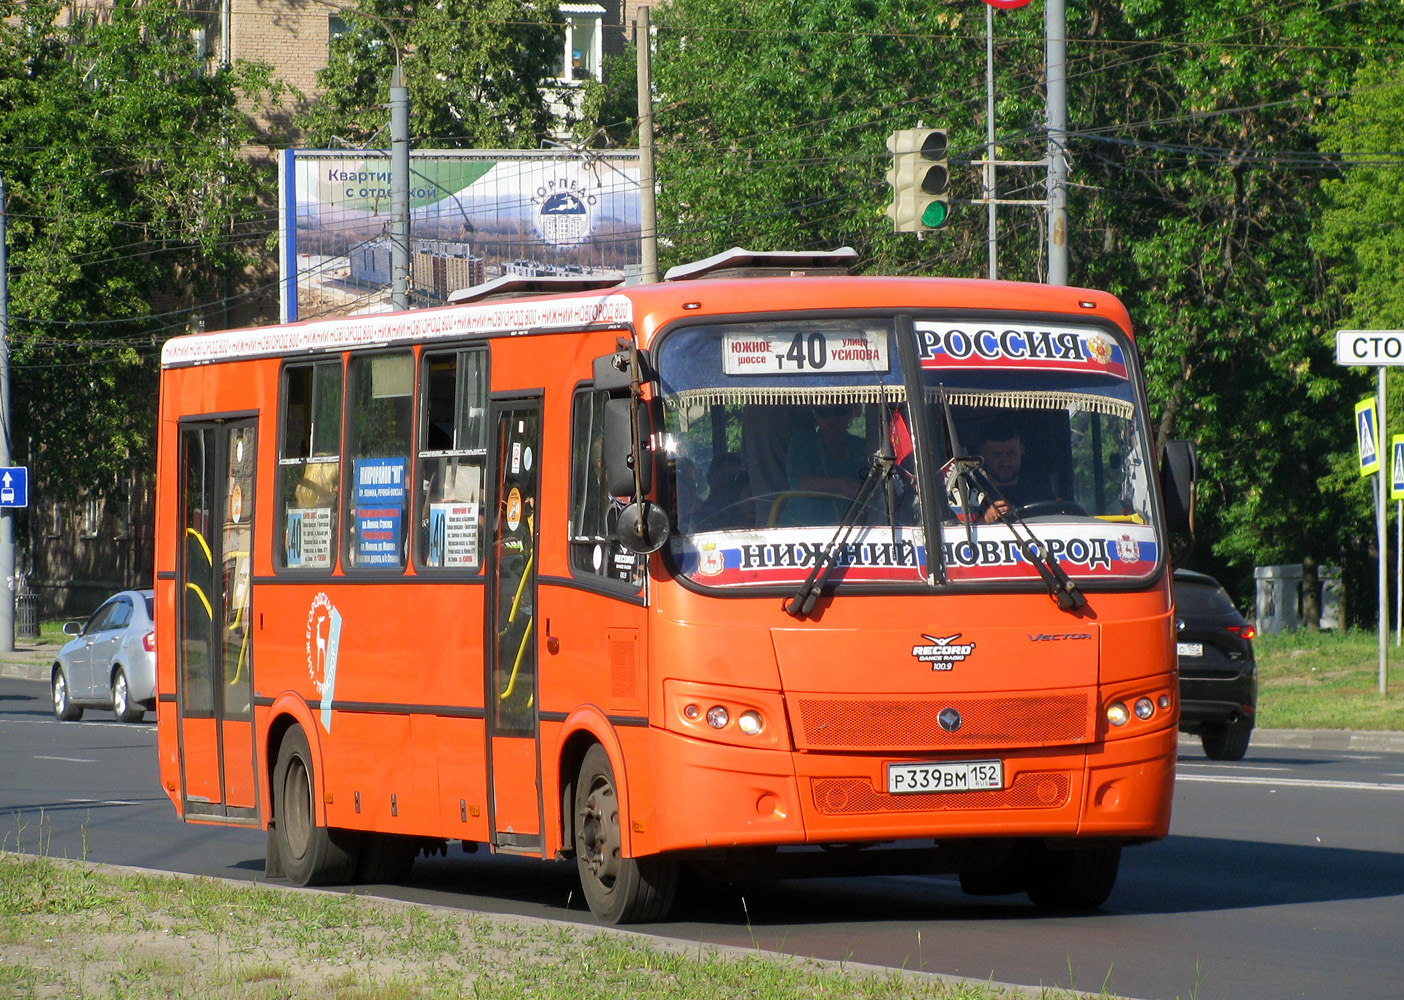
point(121, 156)
point(1360, 230)
point(1199, 154)
point(772, 116)
point(1193, 152)
point(474, 71)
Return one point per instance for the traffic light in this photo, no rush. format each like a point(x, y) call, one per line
point(920, 179)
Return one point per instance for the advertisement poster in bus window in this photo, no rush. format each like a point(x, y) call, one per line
point(380, 504)
point(309, 538)
point(453, 535)
point(475, 215)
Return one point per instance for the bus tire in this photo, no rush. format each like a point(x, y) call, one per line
point(1080, 879)
point(310, 854)
point(386, 859)
point(619, 890)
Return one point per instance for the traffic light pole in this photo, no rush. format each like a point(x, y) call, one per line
point(990, 203)
point(1057, 59)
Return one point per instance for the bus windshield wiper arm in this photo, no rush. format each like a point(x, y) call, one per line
point(1060, 586)
point(878, 473)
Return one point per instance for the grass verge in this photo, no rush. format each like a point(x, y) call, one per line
point(1328, 680)
point(71, 929)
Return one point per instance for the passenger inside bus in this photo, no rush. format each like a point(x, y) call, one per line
point(826, 466)
point(728, 494)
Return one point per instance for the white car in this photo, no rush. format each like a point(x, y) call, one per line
point(111, 661)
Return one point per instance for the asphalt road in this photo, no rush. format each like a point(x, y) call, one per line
point(1283, 875)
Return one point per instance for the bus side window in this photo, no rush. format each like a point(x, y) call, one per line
point(380, 414)
point(309, 466)
point(593, 512)
point(452, 455)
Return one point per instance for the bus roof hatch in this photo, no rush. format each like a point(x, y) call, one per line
point(739, 263)
point(516, 285)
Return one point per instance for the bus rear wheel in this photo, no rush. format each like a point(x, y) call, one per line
point(309, 854)
point(386, 859)
point(619, 890)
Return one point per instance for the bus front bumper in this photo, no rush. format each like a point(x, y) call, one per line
point(719, 796)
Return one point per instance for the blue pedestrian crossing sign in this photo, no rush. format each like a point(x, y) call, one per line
point(1367, 436)
point(14, 486)
point(1396, 467)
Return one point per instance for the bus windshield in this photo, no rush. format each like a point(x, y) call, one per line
point(780, 431)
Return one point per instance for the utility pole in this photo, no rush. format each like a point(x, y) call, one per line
point(399, 189)
point(990, 205)
point(1057, 70)
point(648, 208)
point(7, 517)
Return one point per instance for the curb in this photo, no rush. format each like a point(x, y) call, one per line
point(28, 664)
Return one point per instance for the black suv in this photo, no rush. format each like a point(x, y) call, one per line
point(1218, 676)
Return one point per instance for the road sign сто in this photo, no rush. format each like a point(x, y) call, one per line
point(1370, 348)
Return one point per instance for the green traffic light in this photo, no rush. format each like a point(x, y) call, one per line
point(934, 214)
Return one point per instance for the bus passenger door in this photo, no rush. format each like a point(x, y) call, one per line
point(213, 662)
point(515, 774)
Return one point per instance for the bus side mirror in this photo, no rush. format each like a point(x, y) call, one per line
point(1179, 475)
point(610, 372)
point(619, 415)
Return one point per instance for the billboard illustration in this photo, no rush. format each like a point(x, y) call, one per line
point(474, 215)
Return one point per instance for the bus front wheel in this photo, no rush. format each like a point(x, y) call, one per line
point(619, 890)
point(309, 854)
point(1080, 879)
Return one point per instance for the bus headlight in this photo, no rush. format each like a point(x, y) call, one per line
point(1117, 714)
point(1144, 708)
point(718, 717)
point(750, 723)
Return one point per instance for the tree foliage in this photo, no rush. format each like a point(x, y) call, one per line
point(120, 155)
point(1194, 149)
point(474, 72)
point(1360, 229)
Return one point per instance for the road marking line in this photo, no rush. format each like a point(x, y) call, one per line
point(71, 760)
point(1240, 767)
point(1355, 786)
point(102, 802)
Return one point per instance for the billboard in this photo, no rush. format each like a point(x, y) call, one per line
point(474, 215)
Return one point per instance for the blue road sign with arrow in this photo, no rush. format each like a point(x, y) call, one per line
point(14, 486)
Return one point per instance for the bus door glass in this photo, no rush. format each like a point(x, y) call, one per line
point(511, 639)
point(213, 662)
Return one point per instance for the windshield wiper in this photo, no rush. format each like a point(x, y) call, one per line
point(879, 473)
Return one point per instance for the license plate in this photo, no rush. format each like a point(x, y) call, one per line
point(1189, 648)
point(945, 776)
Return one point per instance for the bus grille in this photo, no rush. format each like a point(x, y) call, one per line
point(998, 722)
point(1031, 790)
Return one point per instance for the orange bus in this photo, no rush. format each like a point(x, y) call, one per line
point(725, 569)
